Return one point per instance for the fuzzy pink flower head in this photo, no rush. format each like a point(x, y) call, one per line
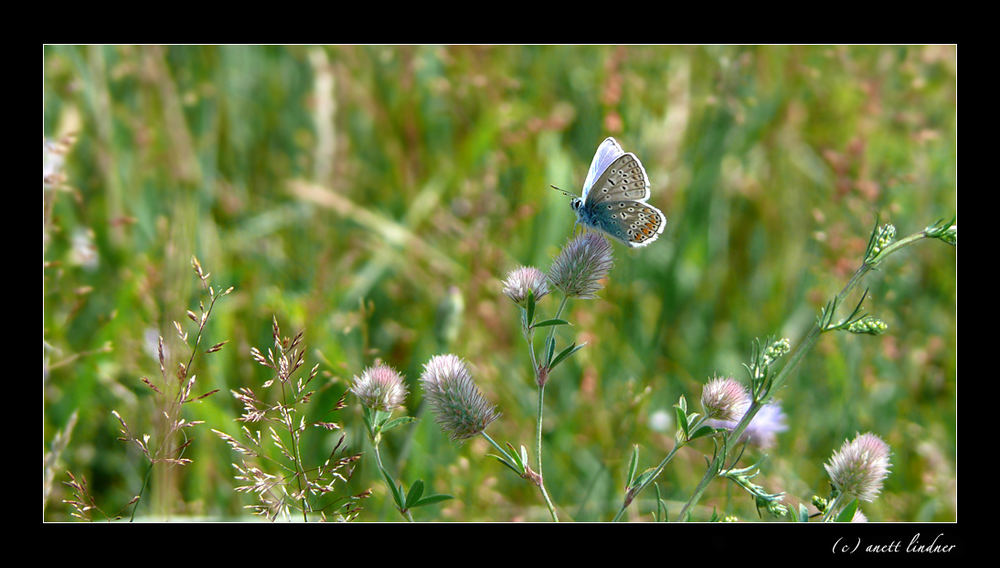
point(581, 265)
point(858, 469)
point(459, 408)
point(380, 387)
point(724, 398)
point(522, 280)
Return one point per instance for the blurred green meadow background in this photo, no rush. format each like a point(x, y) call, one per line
point(375, 196)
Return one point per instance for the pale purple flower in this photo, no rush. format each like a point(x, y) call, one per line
point(522, 280)
point(761, 431)
point(459, 408)
point(724, 398)
point(581, 265)
point(380, 388)
point(858, 469)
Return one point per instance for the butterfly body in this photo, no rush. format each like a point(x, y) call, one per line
point(614, 198)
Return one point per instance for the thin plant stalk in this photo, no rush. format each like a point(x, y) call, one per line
point(794, 358)
point(385, 477)
point(145, 482)
point(174, 406)
point(833, 508)
point(298, 459)
point(541, 480)
point(656, 472)
point(541, 398)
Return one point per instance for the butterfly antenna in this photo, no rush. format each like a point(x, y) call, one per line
point(562, 191)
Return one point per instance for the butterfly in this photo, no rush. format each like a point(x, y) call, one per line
point(614, 198)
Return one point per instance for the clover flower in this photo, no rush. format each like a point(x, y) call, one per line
point(522, 280)
point(380, 388)
point(578, 269)
point(459, 408)
point(762, 430)
point(724, 398)
point(858, 469)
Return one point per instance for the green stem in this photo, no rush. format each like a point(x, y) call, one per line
point(538, 440)
point(145, 482)
point(552, 329)
point(659, 469)
point(832, 508)
point(299, 473)
point(541, 399)
point(502, 451)
point(386, 476)
point(295, 446)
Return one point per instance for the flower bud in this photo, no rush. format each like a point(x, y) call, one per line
point(870, 325)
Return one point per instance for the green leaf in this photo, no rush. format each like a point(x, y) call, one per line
point(366, 414)
point(803, 516)
point(550, 347)
point(660, 505)
point(703, 431)
point(380, 418)
point(397, 493)
point(549, 322)
point(847, 513)
point(565, 353)
point(516, 458)
point(398, 422)
point(633, 464)
point(506, 463)
point(431, 499)
point(643, 477)
point(682, 421)
point(416, 490)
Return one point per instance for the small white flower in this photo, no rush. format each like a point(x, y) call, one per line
point(858, 469)
point(725, 398)
point(660, 421)
point(522, 280)
point(380, 387)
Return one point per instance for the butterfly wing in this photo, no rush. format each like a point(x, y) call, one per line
point(623, 180)
point(616, 203)
point(636, 223)
point(607, 152)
